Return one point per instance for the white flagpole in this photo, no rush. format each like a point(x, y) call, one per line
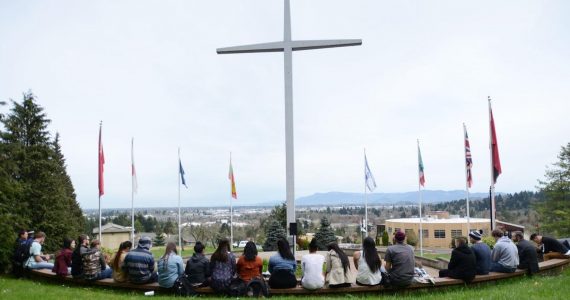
point(466, 178)
point(420, 195)
point(365, 199)
point(179, 178)
point(492, 208)
point(100, 129)
point(231, 212)
point(133, 191)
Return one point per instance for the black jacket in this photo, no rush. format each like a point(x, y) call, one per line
point(462, 264)
point(553, 245)
point(77, 261)
point(528, 259)
point(197, 268)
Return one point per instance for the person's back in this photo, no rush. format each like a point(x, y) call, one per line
point(462, 264)
point(198, 269)
point(170, 267)
point(528, 258)
point(249, 269)
point(482, 253)
point(223, 267)
point(37, 260)
point(91, 264)
point(337, 276)
point(400, 258)
point(62, 262)
point(119, 275)
point(139, 263)
point(505, 256)
point(277, 262)
point(312, 266)
point(282, 267)
point(552, 247)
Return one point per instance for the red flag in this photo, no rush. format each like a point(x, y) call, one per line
point(101, 163)
point(496, 161)
point(468, 159)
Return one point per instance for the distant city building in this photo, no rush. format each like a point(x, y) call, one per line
point(112, 235)
point(438, 232)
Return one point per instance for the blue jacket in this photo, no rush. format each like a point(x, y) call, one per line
point(482, 257)
point(169, 269)
point(276, 262)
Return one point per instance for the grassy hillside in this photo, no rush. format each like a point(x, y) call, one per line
point(555, 287)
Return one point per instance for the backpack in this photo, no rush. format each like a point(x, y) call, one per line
point(257, 288)
point(237, 288)
point(21, 256)
point(91, 264)
point(183, 288)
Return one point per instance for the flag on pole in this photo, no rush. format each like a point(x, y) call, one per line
point(421, 167)
point(368, 177)
point(101, 163)
point(133, 170)
point(181, 171)
point(468, 159)
point(496, 161)
point(232, 179)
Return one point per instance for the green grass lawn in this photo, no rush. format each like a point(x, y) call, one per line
point(158, 251)
point(437, 255)
point(539, 287)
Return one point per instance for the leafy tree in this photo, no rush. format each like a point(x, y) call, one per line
point(138, 226)
point(170, 227)
point(554, 211)
point(274, 233)
point(325, 234)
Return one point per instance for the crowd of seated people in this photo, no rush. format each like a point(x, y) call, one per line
point(84, 259)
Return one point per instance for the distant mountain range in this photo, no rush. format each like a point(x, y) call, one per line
point(341, 198)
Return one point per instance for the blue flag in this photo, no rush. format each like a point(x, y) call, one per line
point(368, 177)
point(182, 174)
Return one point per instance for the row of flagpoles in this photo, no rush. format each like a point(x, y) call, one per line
point(370, 183)
point(134, 188)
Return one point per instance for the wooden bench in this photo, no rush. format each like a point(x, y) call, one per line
point(548, 267)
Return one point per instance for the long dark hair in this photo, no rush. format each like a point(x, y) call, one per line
point(284, 249)
point(80, 240)
point(170, 247)
point(341, 255)
point(221, 254)
point(126, 245)
point(67, 243)
point(250, 251)
point(371, 255)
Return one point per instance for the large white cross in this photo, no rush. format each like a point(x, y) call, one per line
point(287, 46)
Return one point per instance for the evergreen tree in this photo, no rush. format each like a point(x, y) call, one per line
point(158, 240)
point(554, 211)
point(274, 233)
point(385, 238)
point(412, 238)
point(47, 201)
point(325, 234)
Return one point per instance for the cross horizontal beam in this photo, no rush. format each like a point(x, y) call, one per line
point(295, 46)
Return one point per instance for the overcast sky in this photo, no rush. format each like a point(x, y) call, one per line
point(149, 70)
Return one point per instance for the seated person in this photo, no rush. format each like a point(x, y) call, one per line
point(462, 264)
point(37, 260)
point(118, 260)
point(249, 265)
point(482, 253)
point(552, 248)
point(94, 265)
point(62, 265)
point(282, 267)
point(139, 263)
point(338, 269)
point(368, 263)
point(528, 258)
point(223, 266)
point(81, 248)
point(400, 261)
point(170, 266)
point(505, 256)
point(198, 267)
point(312, 266)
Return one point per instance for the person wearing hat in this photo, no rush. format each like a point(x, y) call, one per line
point(139, 263)
point(482, 253)
point(400, 261)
